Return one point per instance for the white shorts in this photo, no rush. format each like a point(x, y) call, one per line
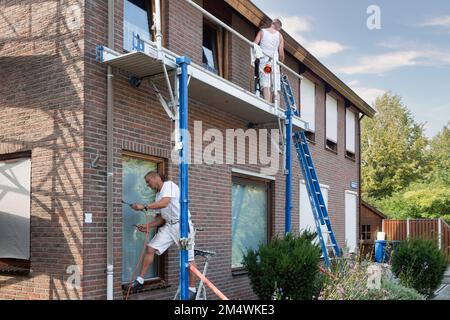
point(265, 79)
point(168, 235)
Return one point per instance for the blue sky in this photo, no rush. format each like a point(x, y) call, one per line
point(409, 55)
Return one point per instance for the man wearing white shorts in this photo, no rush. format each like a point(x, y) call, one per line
point(272, 44)
point(168, 221)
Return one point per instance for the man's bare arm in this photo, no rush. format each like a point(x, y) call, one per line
point(161, 204)
point(258, 37)
point(157, 222)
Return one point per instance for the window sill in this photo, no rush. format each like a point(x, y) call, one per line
point(352, 158)
point(331, 150)
point(236, 272)
point(15, 267)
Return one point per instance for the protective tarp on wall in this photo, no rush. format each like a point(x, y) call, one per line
point(15, 179)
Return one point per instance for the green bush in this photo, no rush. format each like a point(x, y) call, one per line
point(288, 268)
point(419, 264)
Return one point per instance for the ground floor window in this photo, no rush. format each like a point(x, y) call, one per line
point(250, 216)
point(135, 190)
point(15, 209)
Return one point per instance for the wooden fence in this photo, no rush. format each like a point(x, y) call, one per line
point(433, 229)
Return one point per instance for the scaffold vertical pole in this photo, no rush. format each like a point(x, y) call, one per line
point(183, 63)
point(288, 168)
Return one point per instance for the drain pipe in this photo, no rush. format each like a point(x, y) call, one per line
point(157, 21)
point(109, 160)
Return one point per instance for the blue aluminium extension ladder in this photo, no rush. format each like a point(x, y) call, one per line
point(319, 209)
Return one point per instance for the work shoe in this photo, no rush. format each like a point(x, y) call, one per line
point(192, 295)
point(136, 286)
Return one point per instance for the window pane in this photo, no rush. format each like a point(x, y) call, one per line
point(210, 49)
point(15, 182)
point(249, 224)
point(134, 190)
point(135, 19)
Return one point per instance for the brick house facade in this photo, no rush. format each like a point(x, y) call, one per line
point(53, 105)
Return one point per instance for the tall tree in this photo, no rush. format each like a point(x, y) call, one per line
point(393, 149)
point(439, 153)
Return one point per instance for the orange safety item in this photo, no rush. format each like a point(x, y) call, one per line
point(268, 68)
point(207, 282)
point(147, 232)
point(328, 273)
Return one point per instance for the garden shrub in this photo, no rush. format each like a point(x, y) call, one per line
point(419, 264)
point(349, 281)
point(287, 268)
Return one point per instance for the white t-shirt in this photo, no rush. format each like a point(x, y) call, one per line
point(172, 211)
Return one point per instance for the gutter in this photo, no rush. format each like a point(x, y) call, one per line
point(109, 160)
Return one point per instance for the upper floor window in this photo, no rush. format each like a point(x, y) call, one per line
point(137, 19)
point(213, 47)
point(308, 102)
point(350, 133)
point(331, 123)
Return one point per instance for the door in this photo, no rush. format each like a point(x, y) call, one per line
point(351, 227)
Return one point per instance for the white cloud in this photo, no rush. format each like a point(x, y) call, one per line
point(443, 21)
point(382, 63)
point(367, 94)
point(296, 26)
point(385, 62)
point(324, 49)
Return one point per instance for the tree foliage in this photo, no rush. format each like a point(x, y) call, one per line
point(421, 200)
point(439, 155)
point(393, 148)
point(404, 174)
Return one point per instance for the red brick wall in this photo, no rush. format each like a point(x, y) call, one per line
point(41, 103)
point(141, 126)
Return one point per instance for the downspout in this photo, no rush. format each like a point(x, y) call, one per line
point(359, 176)
point(109, 160)
point(157, 21)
